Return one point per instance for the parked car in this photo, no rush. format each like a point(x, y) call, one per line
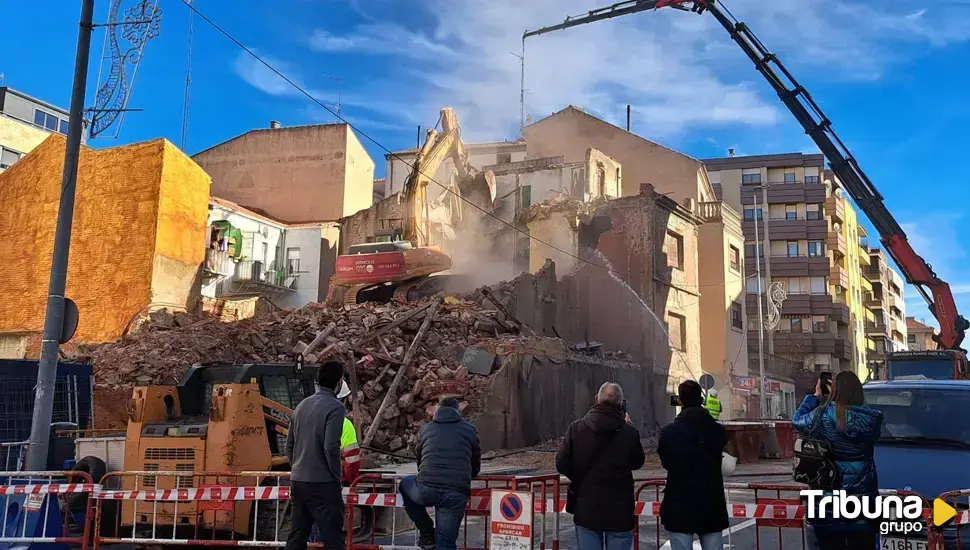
point(924, 446)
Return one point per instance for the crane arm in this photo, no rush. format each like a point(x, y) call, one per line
point(917, 271)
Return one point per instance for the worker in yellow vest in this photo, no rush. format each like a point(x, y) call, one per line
point(349, 449)
point(713, 404)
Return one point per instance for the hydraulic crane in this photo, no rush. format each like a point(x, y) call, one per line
point(951, 360)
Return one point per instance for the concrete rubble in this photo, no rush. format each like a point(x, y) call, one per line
point(166, 345)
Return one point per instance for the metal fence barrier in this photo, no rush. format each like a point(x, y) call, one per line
point(46, 507)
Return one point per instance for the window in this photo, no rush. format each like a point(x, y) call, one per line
point(791, 212)
point(526, 194)
point(811, 179)
point(8, 157)
point(737, 321)
point(819, 325)
point(64, 127)
point(749, 214)
point(674, 248)
point(47, 121)
point(789, 177)
point(735, 257)
point(815, 249)
point(911, 338)
point(818, 285)
point(750, 176)
point(503, 158)
point(600, 180)
point(751, 285)
point(265, 251)
point(796, 324)
point(677, 330)
point(811, 174)
point(292, 261)
point(792, 249)
point(749, 249)
point(812, 212)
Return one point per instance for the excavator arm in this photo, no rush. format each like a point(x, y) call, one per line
point(916, 270)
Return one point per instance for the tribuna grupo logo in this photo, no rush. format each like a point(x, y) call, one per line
point(896, 514)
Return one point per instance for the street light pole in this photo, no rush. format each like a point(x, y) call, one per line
point(758, 253)
point(54, 316)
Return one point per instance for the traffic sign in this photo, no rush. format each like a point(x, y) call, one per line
point(511, 520)
point(706, 381)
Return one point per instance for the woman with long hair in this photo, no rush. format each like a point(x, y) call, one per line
point(851, 428)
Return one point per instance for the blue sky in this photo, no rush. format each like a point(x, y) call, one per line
point(891, 76)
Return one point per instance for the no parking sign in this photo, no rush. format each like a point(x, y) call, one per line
point(511, 520)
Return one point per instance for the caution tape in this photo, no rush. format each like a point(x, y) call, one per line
point(207, 493)
point(50, 488)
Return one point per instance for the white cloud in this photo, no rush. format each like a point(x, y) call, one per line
point(678, 70)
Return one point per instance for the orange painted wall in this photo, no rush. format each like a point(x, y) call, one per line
point(120, 204)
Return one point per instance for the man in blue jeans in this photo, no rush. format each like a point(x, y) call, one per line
point(449, 456)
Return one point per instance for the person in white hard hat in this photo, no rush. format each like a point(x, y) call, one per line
point(713, 404)
point(349, 449)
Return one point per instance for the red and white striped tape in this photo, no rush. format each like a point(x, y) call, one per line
point(207, 493)
point(51, 488)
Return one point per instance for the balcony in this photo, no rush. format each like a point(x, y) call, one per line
point(835, 208)
point(219, 263)
point(891, 300)
point(836, 242)
point(804, 305)
point(871, 300)
point(254, 272)
point(710, 211)
point(838, 276)
point(790, 266)
point(865, 284)
point(876, 329)
point(874, 273)
point(864, 260)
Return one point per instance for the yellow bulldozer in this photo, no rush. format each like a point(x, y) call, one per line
point(218, 418)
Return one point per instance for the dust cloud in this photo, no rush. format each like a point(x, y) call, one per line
point(483, 253)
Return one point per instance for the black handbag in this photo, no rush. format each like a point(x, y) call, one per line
point(813, 463)
point(572, 492)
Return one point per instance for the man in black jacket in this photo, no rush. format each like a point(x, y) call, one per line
point(598, 455)
point(690, 450)
point(449, 456)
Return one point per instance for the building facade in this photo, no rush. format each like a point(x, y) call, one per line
point(802, 242)
point(919, 335)
point(25, 122)
point(298, 174)
point(252, 255)
point(137, 241)
point(887, 326)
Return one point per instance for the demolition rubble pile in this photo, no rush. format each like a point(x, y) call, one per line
point(403, 362)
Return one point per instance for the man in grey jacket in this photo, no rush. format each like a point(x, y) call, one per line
point(313, 448)
point(449, 456)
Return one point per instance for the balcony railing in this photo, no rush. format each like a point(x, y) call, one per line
point(709, 211)
point(219, 262)
point(254, 271)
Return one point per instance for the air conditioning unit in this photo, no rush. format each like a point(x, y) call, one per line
point(264, 232)
point(838, 289)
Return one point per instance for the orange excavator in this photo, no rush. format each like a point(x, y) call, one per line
point(400, 266)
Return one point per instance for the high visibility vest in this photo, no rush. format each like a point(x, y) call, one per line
point(713, 406)
point(349, 451)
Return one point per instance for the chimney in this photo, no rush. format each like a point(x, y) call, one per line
point(274, 124)
point(730, 152)
point(628, 117)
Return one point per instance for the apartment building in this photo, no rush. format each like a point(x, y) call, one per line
point(802, 240)
point(919, 335)
point(887, 326)
point(24, 123)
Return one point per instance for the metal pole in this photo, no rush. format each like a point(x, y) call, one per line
point(628, 117)
point(763, 203)
point(54, 317)
point(522, 90)
point(761, 318)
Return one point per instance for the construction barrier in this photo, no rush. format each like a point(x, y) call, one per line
point(14, 455)
point(193, 508)
point(375, 494)
point(956, 533)
point(46, 508)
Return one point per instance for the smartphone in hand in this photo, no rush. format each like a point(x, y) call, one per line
point(826, 379)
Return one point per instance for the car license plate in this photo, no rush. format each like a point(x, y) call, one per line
point(903, 544)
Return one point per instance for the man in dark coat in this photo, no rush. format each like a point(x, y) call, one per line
point(598, 455)
point(449, 456)
point(690, 450)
